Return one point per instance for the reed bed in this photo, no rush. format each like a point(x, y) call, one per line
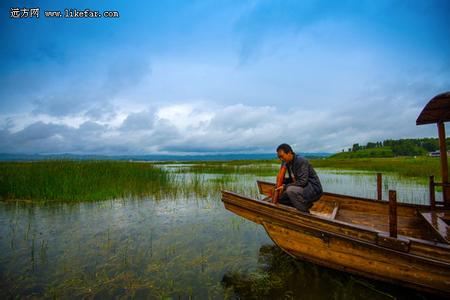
point(72, 181)
point(65, 180)
point(79, 180)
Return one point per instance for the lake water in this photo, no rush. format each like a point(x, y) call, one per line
point(182, 247)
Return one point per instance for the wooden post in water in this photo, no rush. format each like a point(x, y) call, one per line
point(392, 214)
point(379, 190)
point(432, 194)
point(444, 166)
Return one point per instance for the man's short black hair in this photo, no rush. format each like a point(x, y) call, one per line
point(286, 148)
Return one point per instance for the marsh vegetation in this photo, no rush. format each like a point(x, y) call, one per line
point(65, 180)
point(161, 231)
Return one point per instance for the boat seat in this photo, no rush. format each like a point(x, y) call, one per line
point(334, 212)
point(266, 199)
point(328, 210)
point(439, 223)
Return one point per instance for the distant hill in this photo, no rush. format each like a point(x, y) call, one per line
point(391, 148)
point(153, 157)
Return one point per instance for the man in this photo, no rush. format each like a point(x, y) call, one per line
point(303, 186)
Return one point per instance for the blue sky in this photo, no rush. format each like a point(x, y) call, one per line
point(219, 76)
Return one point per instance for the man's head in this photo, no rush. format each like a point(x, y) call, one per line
point(285, 153)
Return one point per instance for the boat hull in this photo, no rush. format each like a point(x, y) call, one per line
point(349, 248)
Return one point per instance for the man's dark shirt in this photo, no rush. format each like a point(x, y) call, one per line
point(302, 174)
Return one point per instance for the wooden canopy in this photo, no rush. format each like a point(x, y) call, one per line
point(436, 111)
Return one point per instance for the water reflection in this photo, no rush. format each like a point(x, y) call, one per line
point(280, 276)
point(123, 248)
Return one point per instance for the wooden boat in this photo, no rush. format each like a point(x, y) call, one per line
point(401, 243)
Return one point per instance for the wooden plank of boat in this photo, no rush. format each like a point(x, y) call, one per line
point(352, 234)
point(439, 223)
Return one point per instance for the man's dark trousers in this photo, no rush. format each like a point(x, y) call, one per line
point(293, 195)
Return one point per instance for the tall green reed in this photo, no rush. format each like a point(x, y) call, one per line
point(79, 180)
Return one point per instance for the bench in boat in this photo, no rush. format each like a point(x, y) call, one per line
point(438, 222)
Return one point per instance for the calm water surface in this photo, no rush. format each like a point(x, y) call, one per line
point(187, 246)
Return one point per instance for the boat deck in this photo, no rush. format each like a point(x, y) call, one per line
point(411, 221)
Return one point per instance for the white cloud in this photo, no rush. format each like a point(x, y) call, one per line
point(188, 128)
point(185, 117)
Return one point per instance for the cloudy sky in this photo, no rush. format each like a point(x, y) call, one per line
point(219, 76)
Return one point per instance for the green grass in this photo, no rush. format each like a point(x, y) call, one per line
point(79, 180)
point(420, 167)
point(365, 153)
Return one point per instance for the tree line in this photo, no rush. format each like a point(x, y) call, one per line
point(403, 147)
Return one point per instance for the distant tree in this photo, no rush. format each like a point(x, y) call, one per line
point(387, 143)
point(403, 146)
point(430, 144)
point(407, 147)
point(370, 145)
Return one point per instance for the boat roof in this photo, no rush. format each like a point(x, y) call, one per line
point(436, 111)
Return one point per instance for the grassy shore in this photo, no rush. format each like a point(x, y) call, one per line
point(78, 180)
point(365, 153)
point(420, 167)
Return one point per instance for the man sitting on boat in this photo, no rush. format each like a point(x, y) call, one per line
point(303, 186)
